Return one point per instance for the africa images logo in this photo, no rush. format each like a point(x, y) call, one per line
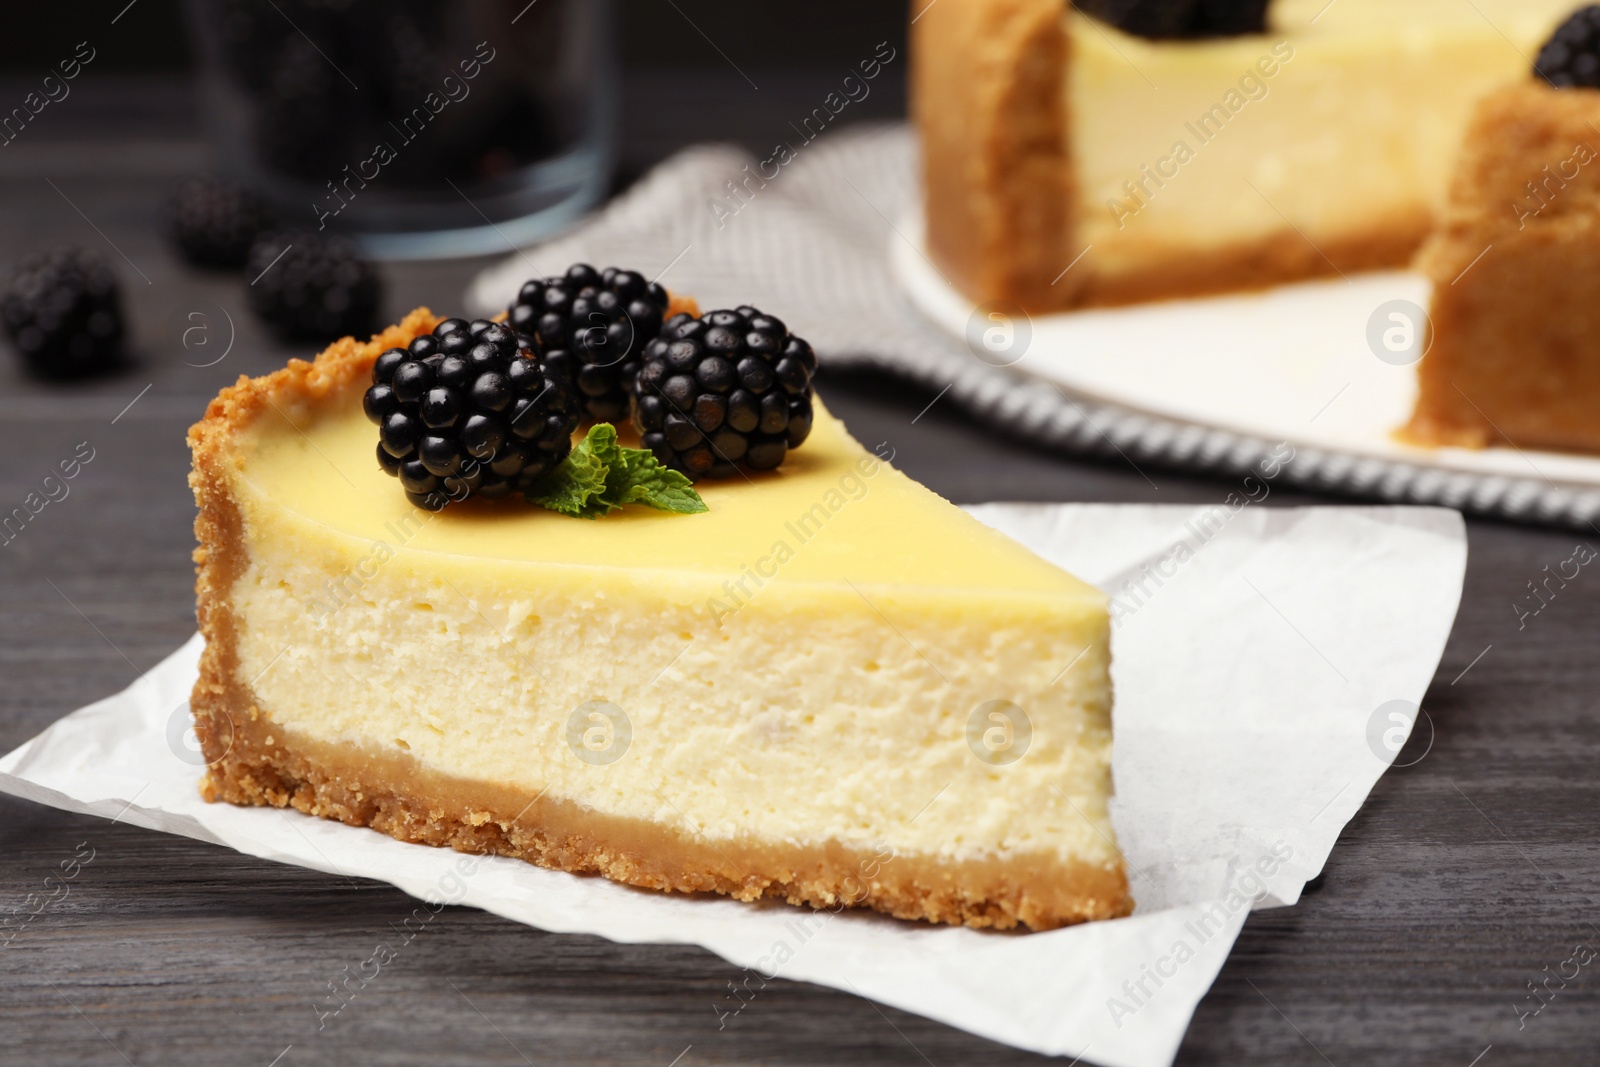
point(599, 732)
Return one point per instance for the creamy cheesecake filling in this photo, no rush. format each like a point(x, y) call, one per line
point(727, 732)
point(1334, 133)
point(830, 608)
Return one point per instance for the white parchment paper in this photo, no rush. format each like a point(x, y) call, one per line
point(1268, 663)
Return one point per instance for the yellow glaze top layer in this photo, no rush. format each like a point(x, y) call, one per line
point(840, 513)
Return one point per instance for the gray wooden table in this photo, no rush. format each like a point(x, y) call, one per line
point(1468, 876)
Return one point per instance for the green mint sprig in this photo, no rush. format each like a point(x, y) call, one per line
point(600, 476)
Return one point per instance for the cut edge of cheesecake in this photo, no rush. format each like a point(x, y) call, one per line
point(988, 103)
point(254, 760)
point(1512, 355)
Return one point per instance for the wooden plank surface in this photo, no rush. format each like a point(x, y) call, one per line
point(1465, 877)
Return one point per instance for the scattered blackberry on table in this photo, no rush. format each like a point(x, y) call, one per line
point(312, 287)
point(726, 389)
point(1571, 57)
point(466, 411)
point(590, 328)
point(63, 314)
point(214, 221)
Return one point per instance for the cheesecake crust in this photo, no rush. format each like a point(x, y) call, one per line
point(988, 96)
point(1515, 350)
point(1177, 272)
point(253, 760)
point(996, 177)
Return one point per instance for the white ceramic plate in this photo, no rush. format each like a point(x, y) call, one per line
point(1292, 364)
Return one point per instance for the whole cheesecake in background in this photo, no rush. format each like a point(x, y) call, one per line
point(1320, 145)
point(1514, 352)
point(833, 687)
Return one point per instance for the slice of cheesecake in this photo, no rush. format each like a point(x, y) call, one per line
point(1514, 355)
point(833, 687)
point(1182, 167)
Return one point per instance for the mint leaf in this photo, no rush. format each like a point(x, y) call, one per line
point(639, 478)
point(578, 480)
point(600, 476)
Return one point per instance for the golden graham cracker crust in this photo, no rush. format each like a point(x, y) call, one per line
point(1515, 349)
point(986, 91)
point(254, 761)
point(1176, 273)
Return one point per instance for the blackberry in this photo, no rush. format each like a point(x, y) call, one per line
point(63, 314)
point(250, 34)
point(214, 222)
point(519, 128)
point(303, 114)
point(589, 328)
point(1230, 18)
point(466, 411)
point(1571, 57)
point(312, 287)
point(408, 65)
point(726, 389)
point(1159, 19)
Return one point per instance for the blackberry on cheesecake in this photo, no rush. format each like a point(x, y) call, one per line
point(589, 328)
point(723, 390)
point(1162, 19)
point(466, 411)
point(1571, 57)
